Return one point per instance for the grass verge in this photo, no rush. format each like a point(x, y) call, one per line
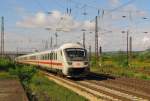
point(37, 86)
point(6, 75)
point(40, 88)
point(46, 90)
point(117, 66)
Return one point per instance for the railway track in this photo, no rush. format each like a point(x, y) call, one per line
point(93, 90)
point(133, 86)
point(88, 93)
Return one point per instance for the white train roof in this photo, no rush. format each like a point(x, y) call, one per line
point(64, 46)
point(71, 45)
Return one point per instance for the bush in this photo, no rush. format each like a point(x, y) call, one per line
point(144, 56)
point(25, 73)
point(5, 64)
point(121, 59)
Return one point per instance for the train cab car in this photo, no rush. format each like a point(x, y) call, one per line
point(75, 60)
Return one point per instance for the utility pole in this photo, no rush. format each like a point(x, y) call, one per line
point(90, 53)
point(100, 54)
point(17, 52)
point(56, 38)
point(100, 50)
point(96, 37)
point(46, 45)
point(127, 47)
point(51, 43)
point(2, 36)
point(84, 39)
point(130, 42)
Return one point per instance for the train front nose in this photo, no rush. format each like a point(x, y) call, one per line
point(78, 69)
point(76, 72)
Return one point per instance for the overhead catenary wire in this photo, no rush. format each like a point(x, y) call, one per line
point(98, 10)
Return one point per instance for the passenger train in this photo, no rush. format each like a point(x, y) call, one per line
point(69, 59)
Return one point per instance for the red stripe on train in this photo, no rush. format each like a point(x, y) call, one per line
point(47, 62)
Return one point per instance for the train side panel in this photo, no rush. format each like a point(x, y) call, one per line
point(60, 60)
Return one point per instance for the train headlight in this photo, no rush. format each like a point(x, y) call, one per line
point(85, 63)
point(69, 63)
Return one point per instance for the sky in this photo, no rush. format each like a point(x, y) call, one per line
point(27, 23)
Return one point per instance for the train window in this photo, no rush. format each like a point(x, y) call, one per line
point(32, 57)
point(75, 54)
point(51, 56)
point(43, 57)
point(25, 58)
point(48, 56)
point(54, 56)
point(61, 53)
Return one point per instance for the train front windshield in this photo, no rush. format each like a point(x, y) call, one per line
point(76, 54)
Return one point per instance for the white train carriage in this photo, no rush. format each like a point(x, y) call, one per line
point(70, 59)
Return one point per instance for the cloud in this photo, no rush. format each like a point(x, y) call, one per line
point(110, 36)
point(88, 25)
point(55, 20)
point(114, 2)
point(22, 42)
point(130, 7)
point(36, 21)
point(146, 40)
point(20, 10)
